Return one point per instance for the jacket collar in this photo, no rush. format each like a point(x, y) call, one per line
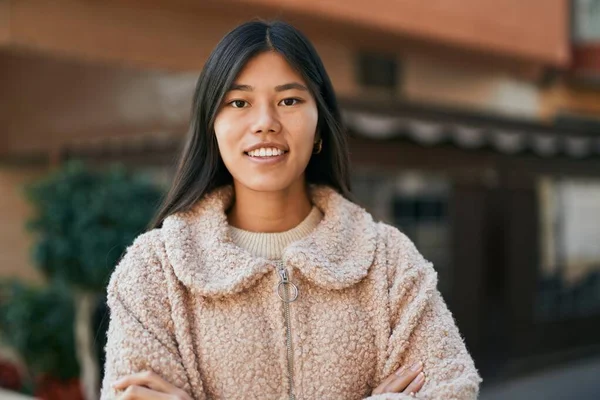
point(337, 254)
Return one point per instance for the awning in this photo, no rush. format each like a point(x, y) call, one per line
point(429, 127)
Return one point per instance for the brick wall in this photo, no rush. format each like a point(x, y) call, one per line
point(15, 242)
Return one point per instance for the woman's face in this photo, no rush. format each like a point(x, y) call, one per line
point(266, 125)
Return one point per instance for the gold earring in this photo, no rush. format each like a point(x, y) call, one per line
point(318, 146)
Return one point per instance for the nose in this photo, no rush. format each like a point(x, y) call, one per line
point(266, 120)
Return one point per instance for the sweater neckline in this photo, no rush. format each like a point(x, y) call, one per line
point(336, 254)
point(271, 245)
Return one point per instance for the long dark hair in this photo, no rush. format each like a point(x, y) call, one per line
point(201, 168)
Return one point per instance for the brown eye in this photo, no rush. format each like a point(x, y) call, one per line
point(238, 103)
point(290, 102)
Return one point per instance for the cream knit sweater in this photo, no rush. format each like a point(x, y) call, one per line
point(203, 312)
point(271, 245)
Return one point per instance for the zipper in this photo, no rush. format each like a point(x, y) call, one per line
point(283, 291)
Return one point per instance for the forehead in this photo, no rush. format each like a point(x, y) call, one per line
point(268, 69)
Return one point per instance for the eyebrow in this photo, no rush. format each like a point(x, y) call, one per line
point(243, 88)
point(280, 88)
point(288, 86)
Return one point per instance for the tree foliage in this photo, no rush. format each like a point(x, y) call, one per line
point(38, 324)
point(85, 219)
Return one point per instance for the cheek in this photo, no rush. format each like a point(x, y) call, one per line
point(303, 128)
point(222, 126)
point(225, 132)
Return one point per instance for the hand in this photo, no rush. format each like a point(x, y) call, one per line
point(148, 386)
point(405, 380)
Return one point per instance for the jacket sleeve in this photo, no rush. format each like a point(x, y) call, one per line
point(423, 329)
point(140, 334)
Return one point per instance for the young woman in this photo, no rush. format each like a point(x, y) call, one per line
point(261, 279)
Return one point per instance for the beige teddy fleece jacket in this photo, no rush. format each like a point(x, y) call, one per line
point(190, 305)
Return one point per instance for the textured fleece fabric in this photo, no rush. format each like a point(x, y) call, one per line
point(203, 313)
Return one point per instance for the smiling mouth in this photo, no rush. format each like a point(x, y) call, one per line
point(265, 152)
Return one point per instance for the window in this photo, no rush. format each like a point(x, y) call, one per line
point(377, 71)
point(569, 274)
point(586, 21)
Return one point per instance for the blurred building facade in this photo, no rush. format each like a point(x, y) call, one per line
point(473, 129)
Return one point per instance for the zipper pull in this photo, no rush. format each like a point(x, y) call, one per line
point(284, 275)
point(284, 286)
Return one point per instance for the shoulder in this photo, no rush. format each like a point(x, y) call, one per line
point(397, 242)
point(139, 274)
point(138, 292)
point(403, 258)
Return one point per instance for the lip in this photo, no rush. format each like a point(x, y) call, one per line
point(268, 160)
point(266, 145)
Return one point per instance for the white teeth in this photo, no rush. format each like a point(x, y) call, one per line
point(265, 152)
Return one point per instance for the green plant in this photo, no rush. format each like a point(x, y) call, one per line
point(85, 218)
point(38, 324)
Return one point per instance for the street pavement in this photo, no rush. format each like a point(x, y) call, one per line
point(6, 395)
point(578, 380)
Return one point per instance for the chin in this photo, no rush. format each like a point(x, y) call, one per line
point(267, 185)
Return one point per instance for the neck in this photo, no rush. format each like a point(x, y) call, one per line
point(269, 212)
